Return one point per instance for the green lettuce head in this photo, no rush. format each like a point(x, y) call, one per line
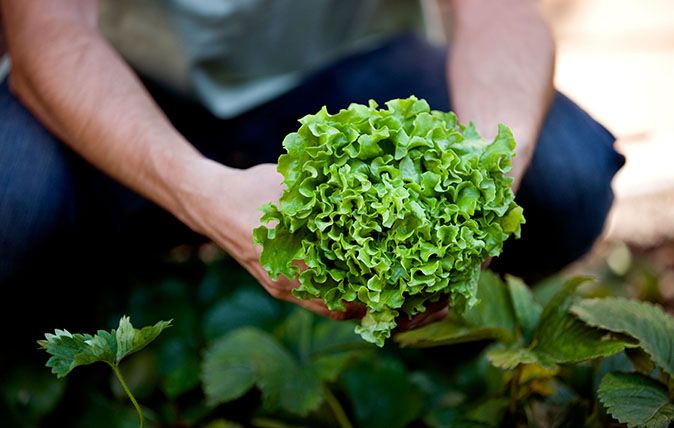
point(392, 208)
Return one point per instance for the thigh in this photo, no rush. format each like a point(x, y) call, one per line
point(58, 213)
point(36, 186)
point(566, 193)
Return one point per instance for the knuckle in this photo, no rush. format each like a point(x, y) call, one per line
point(275, 292)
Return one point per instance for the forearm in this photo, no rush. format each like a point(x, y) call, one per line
point(80, 88)
point(500, 69)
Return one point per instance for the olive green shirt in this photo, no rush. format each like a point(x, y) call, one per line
point(233, 55)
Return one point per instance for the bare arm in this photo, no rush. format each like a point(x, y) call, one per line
point(500, 70)
point(79, 87)
point(2, 36)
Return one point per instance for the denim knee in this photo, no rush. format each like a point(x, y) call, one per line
point(566, 193)
point(35, 185)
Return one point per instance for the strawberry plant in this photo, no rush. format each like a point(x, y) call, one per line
point(70, 350)
point(563, 355)
point(533, 344)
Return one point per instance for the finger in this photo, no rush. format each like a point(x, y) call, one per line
point(434, 312)
point(282, 289)
point(351, 310)
point(432, 317)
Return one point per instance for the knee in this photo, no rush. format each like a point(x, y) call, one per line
point(571, 173)
point(566, 193)
point(34, 185)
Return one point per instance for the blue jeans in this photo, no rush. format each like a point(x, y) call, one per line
point(53, 204)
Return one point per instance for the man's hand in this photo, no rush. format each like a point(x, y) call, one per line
point(224, 204)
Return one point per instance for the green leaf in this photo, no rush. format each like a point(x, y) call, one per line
point(546, 289)
point(509, 358)
point(636, 400)
point(130, 340)
point(561, 338)
point(179, 365)
point(491, 318)
point(247, 357)
point(528, 311)
point(328, 367)
point(393, 208)
point(382, 394)
point(494, 309)
point(245, 307)
point(70, 350)
point(647, 323)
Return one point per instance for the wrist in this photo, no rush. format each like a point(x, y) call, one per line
point(189, 183)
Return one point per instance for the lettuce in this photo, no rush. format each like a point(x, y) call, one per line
point(392, 208)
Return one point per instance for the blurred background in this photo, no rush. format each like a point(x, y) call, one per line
point(616, 59)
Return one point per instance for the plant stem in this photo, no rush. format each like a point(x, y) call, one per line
point(513, 388)
point(126, 389)
point(337, 409)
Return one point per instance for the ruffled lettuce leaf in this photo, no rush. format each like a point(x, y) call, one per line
point(392, 208)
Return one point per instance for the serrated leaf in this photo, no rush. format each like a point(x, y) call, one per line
point(70, 350)
point(527, 310)
point(561, 338)
point(130, 340)
point(491, 318)
point(247, 357)
point(636, 400)
point(647, 323)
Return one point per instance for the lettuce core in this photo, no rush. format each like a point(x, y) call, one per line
point(392, 208)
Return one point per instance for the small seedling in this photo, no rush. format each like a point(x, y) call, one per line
point(70, 350)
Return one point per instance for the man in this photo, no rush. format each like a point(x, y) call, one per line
point(257, 66)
